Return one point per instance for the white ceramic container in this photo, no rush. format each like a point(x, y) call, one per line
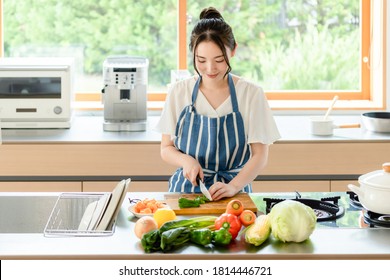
point(374, 190)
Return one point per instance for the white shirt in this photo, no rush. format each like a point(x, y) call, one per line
point(259, 124)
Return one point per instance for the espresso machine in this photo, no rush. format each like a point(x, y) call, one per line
point(125, 93)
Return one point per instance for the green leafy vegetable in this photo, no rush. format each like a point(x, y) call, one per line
point(193, 223)
point(292, 221)
point(174, 238)
point(176, 233)
point(151, 241)
point(189, 203)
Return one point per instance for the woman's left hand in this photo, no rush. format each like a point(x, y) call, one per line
point(220, 190)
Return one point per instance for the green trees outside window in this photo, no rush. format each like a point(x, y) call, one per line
point(283, 44)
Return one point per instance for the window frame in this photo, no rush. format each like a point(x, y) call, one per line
point(373, 83)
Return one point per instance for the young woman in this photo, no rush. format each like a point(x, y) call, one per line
point(215, 126)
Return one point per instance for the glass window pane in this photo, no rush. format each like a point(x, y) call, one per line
point(91, 30)
point(292, 45)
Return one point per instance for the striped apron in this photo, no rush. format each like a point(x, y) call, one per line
point(218, 144)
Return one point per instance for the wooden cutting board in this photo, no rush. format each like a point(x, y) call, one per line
point(212, 207)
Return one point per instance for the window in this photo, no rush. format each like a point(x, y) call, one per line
point(300, 52)
point(90, 31)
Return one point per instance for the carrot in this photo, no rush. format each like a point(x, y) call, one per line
point(247, 217)
point(146, 211)
point(147, 206)
point(235, 207)
point(152, 206)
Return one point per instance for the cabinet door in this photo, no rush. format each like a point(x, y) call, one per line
point(94, 186)
point(341, 186)
point(291, 186)
point(40, 186)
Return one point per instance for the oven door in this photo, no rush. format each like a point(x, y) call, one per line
point(35, 97)
point(30, 88)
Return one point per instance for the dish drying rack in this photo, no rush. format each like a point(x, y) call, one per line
point(70, 213)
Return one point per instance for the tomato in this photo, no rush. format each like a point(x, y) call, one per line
point(247, 217)
point(235, 207)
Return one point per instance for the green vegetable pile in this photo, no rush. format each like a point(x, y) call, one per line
point(196, 202)
point(177, 233)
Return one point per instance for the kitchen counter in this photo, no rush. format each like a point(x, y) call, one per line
point(89, 129)
point(86, 153)
point(324, 243)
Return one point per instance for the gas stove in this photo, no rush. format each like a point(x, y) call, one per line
point(333, 209)
point(370, 218)
point(326, 208)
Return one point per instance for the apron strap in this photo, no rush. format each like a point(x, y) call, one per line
point(233, 95)
point(195, 90)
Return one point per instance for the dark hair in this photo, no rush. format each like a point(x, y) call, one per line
point(212, 27)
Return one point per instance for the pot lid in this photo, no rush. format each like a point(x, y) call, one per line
point(378, 178)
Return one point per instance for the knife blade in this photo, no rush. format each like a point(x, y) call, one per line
point(204, 190)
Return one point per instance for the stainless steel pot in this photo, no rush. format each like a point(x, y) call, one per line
point(377, 121)
point(374, 190)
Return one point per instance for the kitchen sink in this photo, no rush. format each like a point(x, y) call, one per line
point(25, 214)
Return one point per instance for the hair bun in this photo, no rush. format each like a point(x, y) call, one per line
point(209, 13)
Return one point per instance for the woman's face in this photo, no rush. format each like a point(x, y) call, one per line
point(210, 62)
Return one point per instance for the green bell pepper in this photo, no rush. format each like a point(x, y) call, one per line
point(201, 236)
point(221, 237)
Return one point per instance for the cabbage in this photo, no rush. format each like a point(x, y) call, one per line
point(292, 220)
point(259, 231)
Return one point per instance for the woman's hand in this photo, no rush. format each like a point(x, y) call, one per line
point(248, 173)
point(171, 155)
point(220, 190)
point(192, 170)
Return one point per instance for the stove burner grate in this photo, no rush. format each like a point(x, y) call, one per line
point(326, 209)
point(354, 200)
point(376, 220)
point(321, 213)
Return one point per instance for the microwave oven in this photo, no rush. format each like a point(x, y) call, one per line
point(36, 92)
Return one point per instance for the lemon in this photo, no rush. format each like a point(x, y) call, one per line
point(163, 215)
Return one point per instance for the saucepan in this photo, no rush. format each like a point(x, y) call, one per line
point(324, 126)
point(374, 190)
point(377, 121)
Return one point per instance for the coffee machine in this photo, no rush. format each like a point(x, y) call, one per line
point(125, 93)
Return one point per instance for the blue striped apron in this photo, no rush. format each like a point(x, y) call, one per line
point(219, 144)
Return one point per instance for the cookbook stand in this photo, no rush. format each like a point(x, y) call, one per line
point(86, 214)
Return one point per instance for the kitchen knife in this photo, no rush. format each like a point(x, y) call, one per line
point(204, 190)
